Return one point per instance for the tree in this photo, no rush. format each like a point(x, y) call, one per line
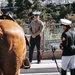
point(73, 5)
point(10, 3)
point(23, 10)
point(50, 12)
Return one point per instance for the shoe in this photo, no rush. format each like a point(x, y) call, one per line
point(38, 62)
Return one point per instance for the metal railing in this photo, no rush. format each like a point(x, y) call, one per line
point(50, 36)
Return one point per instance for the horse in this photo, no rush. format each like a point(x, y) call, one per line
point(12, 47)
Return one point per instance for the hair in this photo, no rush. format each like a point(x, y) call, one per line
point(68, 26)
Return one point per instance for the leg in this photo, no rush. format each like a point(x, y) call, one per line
point(10, 68)
point(0, 72)
point(72, 71)
point(38, 56)
point(31, 49)
point(63, 72)
point(72, 67)
point(11, 71)
point(38, 48)
point(65, 62)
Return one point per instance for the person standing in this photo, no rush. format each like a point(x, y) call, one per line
point(66, 47)
point(36, 28)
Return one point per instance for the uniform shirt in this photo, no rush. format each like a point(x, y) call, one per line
point(36, 27)
point(67, 42)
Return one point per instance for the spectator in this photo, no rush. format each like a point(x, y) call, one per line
point(36, 28)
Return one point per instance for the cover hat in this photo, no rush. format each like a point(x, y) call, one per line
point(65, 22)
point(36, 13)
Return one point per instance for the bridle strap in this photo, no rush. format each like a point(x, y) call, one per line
point(53, 50)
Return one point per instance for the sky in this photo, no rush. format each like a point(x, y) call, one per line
point(54, 1)
point(2, 0)
point(3, 3)
point(46, 2)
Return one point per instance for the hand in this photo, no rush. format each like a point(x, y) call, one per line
point(33, 36)
point(61, 47)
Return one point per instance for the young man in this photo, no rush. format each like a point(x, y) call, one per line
point(36, 28)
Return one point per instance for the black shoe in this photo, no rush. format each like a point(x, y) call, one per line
point(30, 61)
point(72, 71)
point(38, 62)
point(63, 72)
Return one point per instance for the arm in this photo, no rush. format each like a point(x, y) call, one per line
point(30, 28)
point(40, 29)
point(64, 41)
point(31, 32)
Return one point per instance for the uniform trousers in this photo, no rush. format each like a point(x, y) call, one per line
point(68, 61)
point(34, 42)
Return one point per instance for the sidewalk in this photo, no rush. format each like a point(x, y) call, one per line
point(45, 66)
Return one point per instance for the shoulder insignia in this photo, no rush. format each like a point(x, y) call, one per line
point(63, 39)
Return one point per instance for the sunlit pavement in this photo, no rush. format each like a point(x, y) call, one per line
point(46, 67)
point(42, 74)
point(55, 73)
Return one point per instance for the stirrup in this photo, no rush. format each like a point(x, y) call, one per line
point(26, 63)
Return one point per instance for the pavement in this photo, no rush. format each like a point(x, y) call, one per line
point(46, 67)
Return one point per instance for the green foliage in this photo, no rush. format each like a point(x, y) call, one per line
point(73, 7)
point(23, 10)
point(10, 3)
point(71, 17)
point(50, 12)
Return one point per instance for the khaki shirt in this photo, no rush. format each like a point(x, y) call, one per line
point(36, 27)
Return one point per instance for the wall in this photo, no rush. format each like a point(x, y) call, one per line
point(47, 54)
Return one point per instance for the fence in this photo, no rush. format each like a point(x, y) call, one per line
point(50, 37)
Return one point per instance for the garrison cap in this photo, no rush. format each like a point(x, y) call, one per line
point(36, 13)
point(65, 22)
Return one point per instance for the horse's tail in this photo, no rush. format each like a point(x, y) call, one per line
point(27, 42)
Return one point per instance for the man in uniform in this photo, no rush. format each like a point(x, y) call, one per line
point(67, 47)
point(36, 28)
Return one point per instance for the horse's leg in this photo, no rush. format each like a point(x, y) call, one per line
point(0, 72)
point(18, 72)
point(12, 73)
